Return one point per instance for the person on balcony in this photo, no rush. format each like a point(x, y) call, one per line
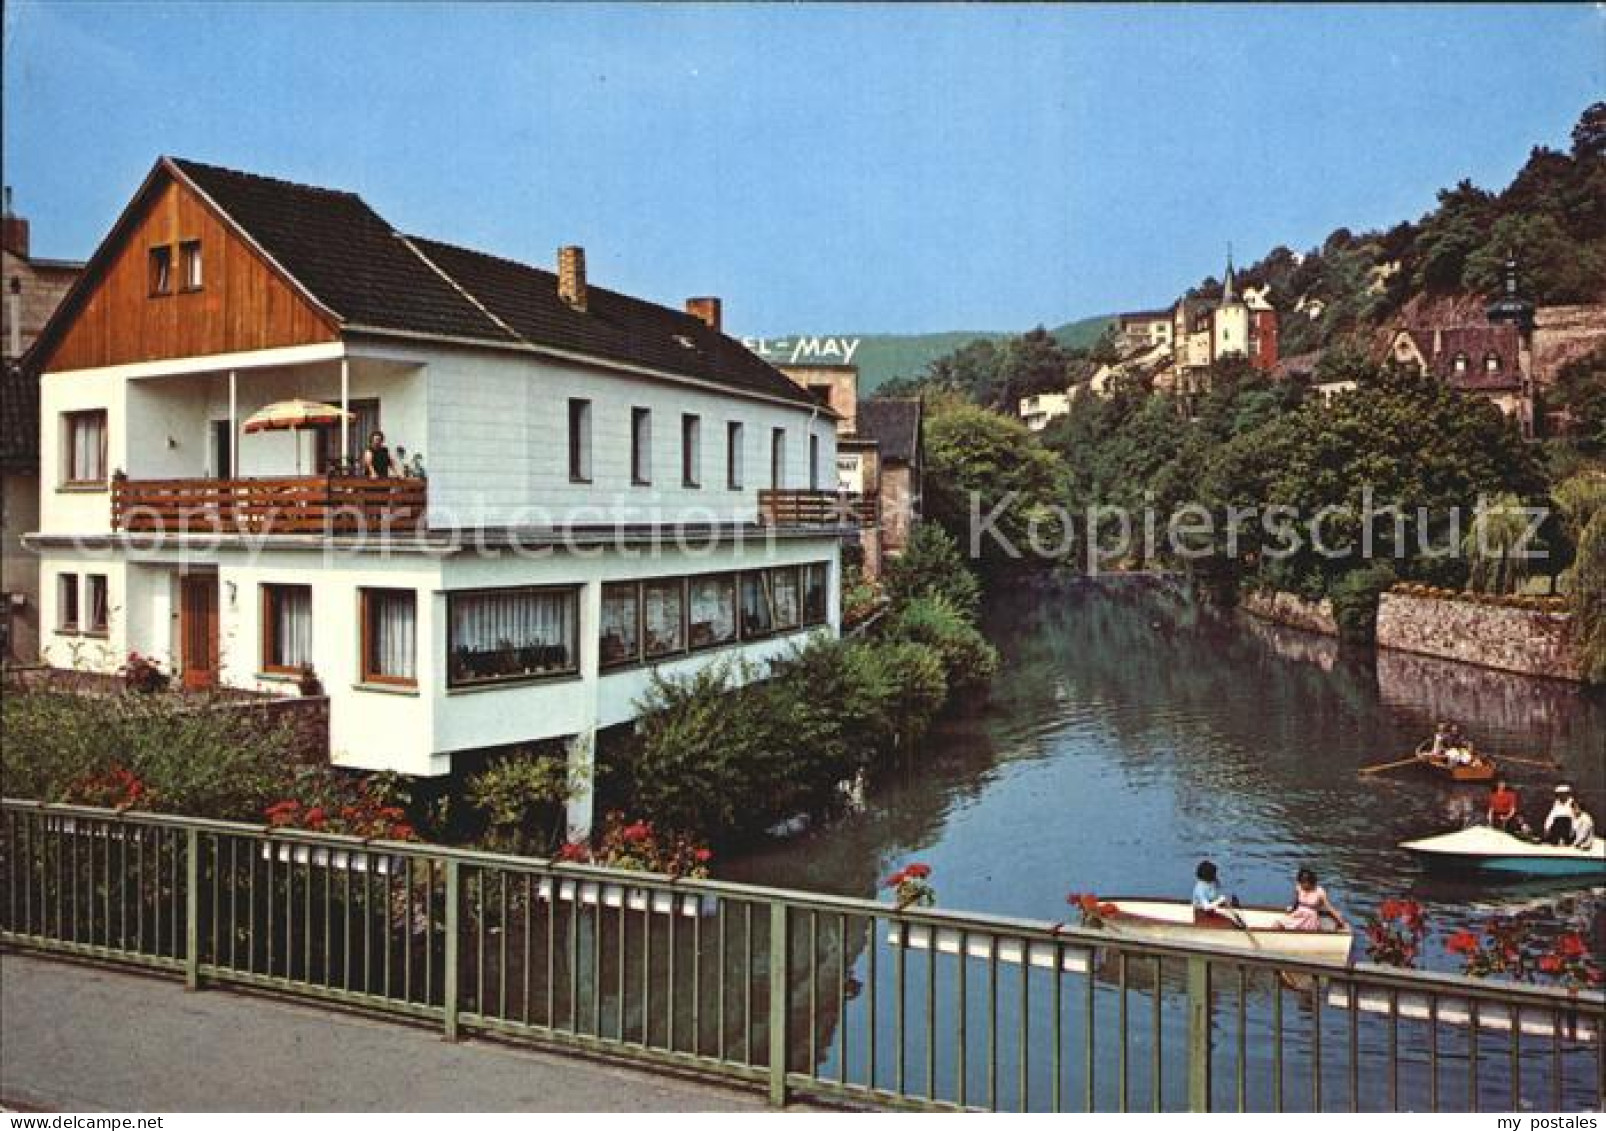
point(376, 459)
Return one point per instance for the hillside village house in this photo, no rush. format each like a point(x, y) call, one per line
point(599, 473)
point(34, 286)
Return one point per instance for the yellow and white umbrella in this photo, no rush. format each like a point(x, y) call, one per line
point(294, 415)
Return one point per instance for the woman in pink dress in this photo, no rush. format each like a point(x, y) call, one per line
point(1310, 904)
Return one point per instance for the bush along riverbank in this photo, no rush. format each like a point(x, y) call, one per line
point(731, 752)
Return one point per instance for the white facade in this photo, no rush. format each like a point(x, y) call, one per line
point(1042, 409)
point(494, 431)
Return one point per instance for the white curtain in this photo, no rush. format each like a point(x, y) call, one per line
point(756, 617)
point(394, 633)
point(292, 625)
point(783, 583)
point(621, 634)
point(516, 619)
point(713, 610)
point(99, 611)
point(664, 603)
point(88, 447)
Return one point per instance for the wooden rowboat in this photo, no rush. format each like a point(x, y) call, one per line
point(1496, 852)
point(1171, 920)
point(1480, 769)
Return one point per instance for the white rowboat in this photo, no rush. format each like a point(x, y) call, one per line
point(1255, 930)
point(1483, 849)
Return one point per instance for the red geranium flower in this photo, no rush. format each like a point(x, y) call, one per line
point(895, 879)
point(1462, 942)
point(1572, 945)
point(702, 855)
point(917, 871)
point(1550, 964)
point(1089, 903)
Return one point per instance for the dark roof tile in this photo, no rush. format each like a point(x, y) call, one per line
point(893, 424)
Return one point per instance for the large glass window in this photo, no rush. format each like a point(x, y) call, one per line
point(621, 624)
point(161, 270)
point(495, 634)
point(389, 636)
point(286, 627)
point(711, 610)
point(757, 619)
point(785, 599)
point(189, 253)
point(664, 613)
point(84, 454)
point(816, 592)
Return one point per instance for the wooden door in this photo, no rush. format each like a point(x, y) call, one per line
point(198, 630)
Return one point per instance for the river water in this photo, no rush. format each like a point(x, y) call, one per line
point(1133, 731)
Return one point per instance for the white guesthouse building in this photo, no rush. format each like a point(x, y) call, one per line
point(609, 487)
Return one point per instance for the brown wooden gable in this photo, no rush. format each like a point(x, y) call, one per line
point(244, 302)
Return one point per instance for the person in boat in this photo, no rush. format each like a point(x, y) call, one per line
point(1562, 818)
point(1442, 735)
point(1583, 829)
point(1504, 807)
point(1209, 905)
point(1310, 906)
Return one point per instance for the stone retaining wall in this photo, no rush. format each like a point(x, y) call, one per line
point(1513, 640)
point(1296, 612)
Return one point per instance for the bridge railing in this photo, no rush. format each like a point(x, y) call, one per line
point(798, 993)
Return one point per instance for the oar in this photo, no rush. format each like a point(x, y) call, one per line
point(1232, 916)
point(1411, 761)
point(1547, 763)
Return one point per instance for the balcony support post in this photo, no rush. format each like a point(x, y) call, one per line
point(345, 408)
point(233, 470)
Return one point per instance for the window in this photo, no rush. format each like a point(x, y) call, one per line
point(821, 394)
point(99, 604)
point(621, 624)
point(778, 458)
point(161, 270)
point(733, 455)
point(1491, 363)
point(641, 446)
point(364, 423)
point(502, 634)
point(189, 261)
point(691, 451)
point(711, 611)
point(814, 463)
point(816, 592)
point(1460, 363)
point(389, 636)
point(784, 598)
point(756, 617)
point(663, 611)
point(67, 602)
point(286, 627)
point(84, 451)
point(579, 441)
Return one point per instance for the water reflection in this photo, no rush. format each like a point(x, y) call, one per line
point(1134, 731)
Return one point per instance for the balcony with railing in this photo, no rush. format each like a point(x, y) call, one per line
point(816, 508)
point(304, 504)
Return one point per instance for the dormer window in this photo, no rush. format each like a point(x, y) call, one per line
point(1460, 363)
point(1491, 363)
point(189, 258)
point(161, 270)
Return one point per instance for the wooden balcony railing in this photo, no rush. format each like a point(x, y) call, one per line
point(816, 508)
point(301, 505)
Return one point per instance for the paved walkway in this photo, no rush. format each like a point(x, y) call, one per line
point(84, 1038)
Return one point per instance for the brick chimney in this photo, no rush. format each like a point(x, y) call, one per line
point(16, 230)
point(707, 310)
point(572, 277)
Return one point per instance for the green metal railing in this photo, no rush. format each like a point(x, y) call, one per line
point(799, 993)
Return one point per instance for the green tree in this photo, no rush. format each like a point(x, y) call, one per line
point(1496, 545)
point(931, 565)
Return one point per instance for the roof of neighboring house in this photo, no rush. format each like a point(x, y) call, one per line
point(19, 419)
point(1144, 316)
point(894, 425)
point(1475, 343)
point(349, 260)
point(1296, 363)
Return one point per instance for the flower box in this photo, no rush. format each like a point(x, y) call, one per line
point(629, 899)
point(1492, 1018)
point(916, 936)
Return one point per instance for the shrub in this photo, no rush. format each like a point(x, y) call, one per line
point(968, 661)
point(190, 756)
point(931, 566)
point(638, 846)
point(323, 799)
point(1355, 597)
point(521, 798)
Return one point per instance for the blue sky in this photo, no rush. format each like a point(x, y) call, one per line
point(825, 169)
